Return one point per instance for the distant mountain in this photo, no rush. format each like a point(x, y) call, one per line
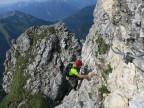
point(85, 3)
point(81, 21)
point(12, 24)
point(51, 9)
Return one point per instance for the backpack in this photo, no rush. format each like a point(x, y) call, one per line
point(67, 69)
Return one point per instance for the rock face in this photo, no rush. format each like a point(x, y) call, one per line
point(118, 82)
point(116, 36)
point(35, 63)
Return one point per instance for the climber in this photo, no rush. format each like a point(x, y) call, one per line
point(74, 74)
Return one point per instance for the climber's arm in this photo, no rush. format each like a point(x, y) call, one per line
point(84, 76)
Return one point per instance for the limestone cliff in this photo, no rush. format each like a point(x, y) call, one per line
point(34, 65)
point(119, 79)
point(36, 60)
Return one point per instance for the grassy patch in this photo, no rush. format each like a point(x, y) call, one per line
point(17, 93)
point(103, 89)
point(109, 69)
point(37, 101)
point(51, 29)
point(102, 46)
point(90, 95)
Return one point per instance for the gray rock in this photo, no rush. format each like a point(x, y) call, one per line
point(116, 22)
point(38, 56)
point(120, 23)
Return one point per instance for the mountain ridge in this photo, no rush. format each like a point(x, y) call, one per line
point(48, 10)
point(33, 54)
point(12, 26)
point(35, 62)
point(81, 21)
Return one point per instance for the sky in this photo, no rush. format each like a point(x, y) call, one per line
point(7, 2)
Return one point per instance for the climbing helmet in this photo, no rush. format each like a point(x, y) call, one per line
point(78, 62)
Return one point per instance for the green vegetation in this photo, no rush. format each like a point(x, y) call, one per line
point(80, 22)
point(109, 69)
point(90, 95)
point(35, 37)
point(11, 27)
point(106, 72)
point(102, 46)
point(103, 89)
point(37, 101)
point(5, 33)
point(32, 101)
point(17, 93)
point(52, 30)
point(104, 77)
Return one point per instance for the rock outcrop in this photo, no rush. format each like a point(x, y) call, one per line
point(119, 79)
point(34, 65)
point(37, 57)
